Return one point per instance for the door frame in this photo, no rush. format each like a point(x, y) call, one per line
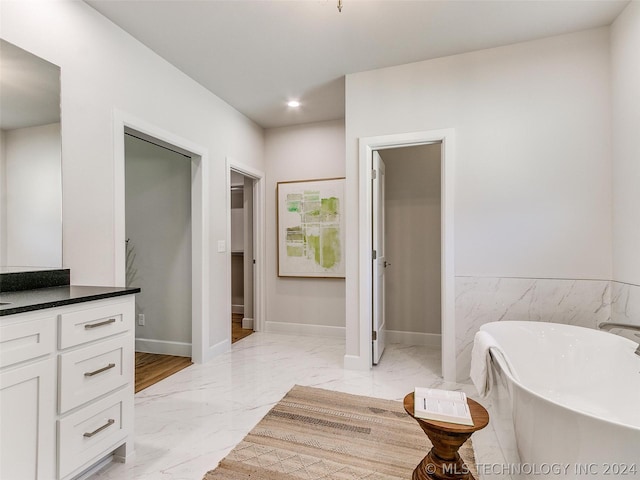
point(200, 242)
point(259, 272)
point(366, 147)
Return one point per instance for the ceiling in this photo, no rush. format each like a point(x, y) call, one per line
point(257, 55)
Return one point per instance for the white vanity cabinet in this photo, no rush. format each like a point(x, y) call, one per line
point(67, 379)
point(27, 397)
point(95, 382)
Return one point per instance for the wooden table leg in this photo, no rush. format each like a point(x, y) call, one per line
point(443, 461)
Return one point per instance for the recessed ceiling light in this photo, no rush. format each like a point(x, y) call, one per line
point(293, 103)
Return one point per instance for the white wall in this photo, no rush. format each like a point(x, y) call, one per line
point(303, 152)
point(533, 168)
point(625, 79)
point(412, 213)
point(237, 220)
point(158, 226)
point(104, 69)
point(32, 221)
point(237, 243)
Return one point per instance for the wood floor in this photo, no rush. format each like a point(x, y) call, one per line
point(151, 368)
point(237, 332)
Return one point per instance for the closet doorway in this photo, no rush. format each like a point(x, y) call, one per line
point(362, 358)
point(408, 259)
point(158, 254)
point(242, 255)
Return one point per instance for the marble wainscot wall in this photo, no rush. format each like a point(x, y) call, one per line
point(480, 300)
point(625, 306)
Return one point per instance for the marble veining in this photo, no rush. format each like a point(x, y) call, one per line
point(187, 423)
point(625, 306)
point(480, 300)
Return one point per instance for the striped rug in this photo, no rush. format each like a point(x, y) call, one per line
point(320, 434)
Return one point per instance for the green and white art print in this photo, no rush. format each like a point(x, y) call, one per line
point(311, 228)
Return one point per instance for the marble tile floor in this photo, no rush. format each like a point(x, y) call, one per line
point(185, 424)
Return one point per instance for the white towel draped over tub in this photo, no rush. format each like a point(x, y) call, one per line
point(481, 372)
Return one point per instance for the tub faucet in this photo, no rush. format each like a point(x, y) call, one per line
point(606, 326)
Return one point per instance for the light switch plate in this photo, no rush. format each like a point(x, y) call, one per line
point(221, 246)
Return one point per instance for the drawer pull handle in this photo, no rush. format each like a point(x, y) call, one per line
point(110, 422)
point(99, 324)
point(100, 370)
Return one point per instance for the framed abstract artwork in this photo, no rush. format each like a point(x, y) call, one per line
point(311, 228)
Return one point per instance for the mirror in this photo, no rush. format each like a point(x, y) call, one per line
point(30, 162)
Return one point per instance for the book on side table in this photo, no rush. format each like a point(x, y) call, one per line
point(442, 405)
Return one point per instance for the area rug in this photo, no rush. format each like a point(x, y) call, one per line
point(320, 434)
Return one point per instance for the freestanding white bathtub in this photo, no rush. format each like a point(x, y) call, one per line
point(574, 398)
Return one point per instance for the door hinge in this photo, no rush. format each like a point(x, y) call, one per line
point(374, 335)
point(374, 254)
point(374, 174)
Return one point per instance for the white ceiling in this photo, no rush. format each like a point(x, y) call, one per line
point(256, 55)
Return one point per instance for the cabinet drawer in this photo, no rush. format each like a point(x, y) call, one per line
point(89, 372)
point(91, 324)
point(92, 432)
point(25, 339)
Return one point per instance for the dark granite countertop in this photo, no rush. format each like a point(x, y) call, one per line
point(37, 299)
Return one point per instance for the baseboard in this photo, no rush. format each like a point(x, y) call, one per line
point(247, 323)
point(414, 338)
point(356, 362)
point(163, 347)
point(303, 329)
point(237, 309)
point(218, 349)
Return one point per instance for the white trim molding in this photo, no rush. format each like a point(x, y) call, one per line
point(414, 338)
point(219, 348)
point(237, 308)
point(163, 347)
point(366, 147)
point(200, 242)
point(247, 323)
point(259, 241)
point(303, 329)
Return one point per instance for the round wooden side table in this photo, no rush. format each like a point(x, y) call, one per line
point(443, 461)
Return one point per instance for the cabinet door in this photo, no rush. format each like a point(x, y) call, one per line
point(27, 421)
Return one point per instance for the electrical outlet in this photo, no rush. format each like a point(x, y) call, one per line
point(141, 319)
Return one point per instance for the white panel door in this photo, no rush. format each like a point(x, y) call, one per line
point(379, 260)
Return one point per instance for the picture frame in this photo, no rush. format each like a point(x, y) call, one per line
point(311, 228)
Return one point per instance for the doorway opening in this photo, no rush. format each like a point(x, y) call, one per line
point(158, 246)
point(406, 236)
point(242, 257)
point(246, 255)
point(365, 335)
point(201, 322)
